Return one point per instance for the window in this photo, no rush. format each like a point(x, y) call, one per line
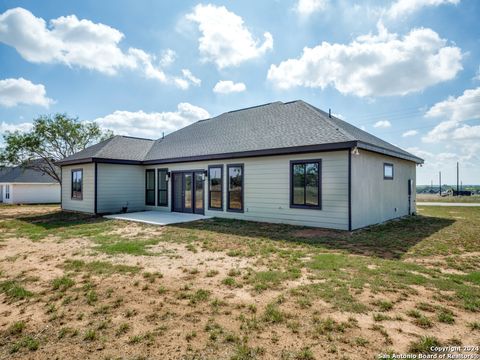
point(150, 187)
point(235, 188)
point(305, 184)
point(387, 171)
point(215, 187)
point(162, 199)
point(7, 191)
point(77, 184)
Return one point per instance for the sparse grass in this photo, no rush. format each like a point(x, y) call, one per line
point(384, 305)
point(273, 314)
point(62, 283)
point(27, 342)
point(211, 273)
point(424, 344)
point(99, 267)
point(90, 335)
point(16, 328)
point(446, 316)
point(474, 325)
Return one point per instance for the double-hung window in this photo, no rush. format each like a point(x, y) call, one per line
point(77, 184)
point(162, 199)
point(305, 184)
point(150, 187)
point(215, 186)
point(7, 191)
point(235, 188)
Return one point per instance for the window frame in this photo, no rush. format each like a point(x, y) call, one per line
point(221, 187)
point(393, 171)
point(304, 206)
point(158, 188)
point(71, 185)
point(228, 186)
point(7, 192)
point(154, 186)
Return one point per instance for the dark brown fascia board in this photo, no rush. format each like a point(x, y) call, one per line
point(98, 160)
point(253, 153)
point(388, 152)
point(256, 153)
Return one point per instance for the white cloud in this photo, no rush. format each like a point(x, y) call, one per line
point(455, 111)
point(151, 125)
point(78, 43)
point(382, 124)
point(10, 127)
point(410, 133)
point(22, 91)
point(227, 86)
point(306, 8)
point(373, 65)
point(406, 7)
point(225, 39)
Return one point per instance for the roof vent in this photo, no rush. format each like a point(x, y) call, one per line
point(330, 113)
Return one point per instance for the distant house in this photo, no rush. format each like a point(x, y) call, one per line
point(279, 162)
point(20, 185)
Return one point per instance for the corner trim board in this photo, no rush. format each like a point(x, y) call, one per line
point(350, 190)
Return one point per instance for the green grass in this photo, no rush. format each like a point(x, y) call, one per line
point(14, 291)
point(423, 345)
point(27, 342)
point(448, 199)
point(273, 314)
point(62, 283)
point(16, 328)
point(263, 280)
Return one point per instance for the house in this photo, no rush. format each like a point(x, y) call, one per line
point(19, 185)
point(278, 162)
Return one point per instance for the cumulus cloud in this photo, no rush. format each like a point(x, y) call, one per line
point(78, 43)
point(406, 7)
point(151, 125)
point(225, 39)
point(22, 91)
point(228, 86)
point(382, 124)
point(455, 111)
point(410, 133)
point(373, 65)
point(306, 8)
point(10, 127)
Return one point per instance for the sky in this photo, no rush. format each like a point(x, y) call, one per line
point(407, 71)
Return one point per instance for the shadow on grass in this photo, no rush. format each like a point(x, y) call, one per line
point(389, 240)
point(61, 219)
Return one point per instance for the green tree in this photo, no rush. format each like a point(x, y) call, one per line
point(52, 138)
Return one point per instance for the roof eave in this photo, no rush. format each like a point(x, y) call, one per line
point(392, 153)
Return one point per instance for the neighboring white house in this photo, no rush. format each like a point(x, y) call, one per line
point(279, 162)
point(20, 185)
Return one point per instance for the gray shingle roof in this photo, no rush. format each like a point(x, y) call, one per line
point(270, 126)
point(265, 127)
point(117, 147)
point(23, 175)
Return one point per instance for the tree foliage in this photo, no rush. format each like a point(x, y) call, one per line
point(52, 138)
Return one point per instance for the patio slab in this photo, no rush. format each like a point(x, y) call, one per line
point(158, 217)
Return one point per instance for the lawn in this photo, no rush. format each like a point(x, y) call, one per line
point(225, 289)
point(454, 199)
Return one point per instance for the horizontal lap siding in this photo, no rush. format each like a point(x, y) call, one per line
point(87, 202)
point(267, 190)
point(35, 193)
point(374, 199)
point(119, 185)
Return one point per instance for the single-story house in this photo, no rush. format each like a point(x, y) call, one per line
point(278, 162)
point(19, 185)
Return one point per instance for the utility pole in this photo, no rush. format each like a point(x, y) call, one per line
point(458, 189)
point(440, 182)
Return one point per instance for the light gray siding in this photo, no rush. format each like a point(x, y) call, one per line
point(87, 203)
point(375, 200)
point(119, 185)
point(267, 190)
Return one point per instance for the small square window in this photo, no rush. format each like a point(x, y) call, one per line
point(387, 171)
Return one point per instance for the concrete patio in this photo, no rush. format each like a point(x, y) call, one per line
point(158, 217)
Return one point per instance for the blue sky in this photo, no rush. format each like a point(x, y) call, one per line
point(407, 71)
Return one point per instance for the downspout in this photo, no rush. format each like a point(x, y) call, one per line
point(350, 189)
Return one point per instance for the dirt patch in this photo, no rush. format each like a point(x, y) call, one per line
point(319, 233)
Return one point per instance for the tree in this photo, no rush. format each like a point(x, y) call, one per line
point(52, 138)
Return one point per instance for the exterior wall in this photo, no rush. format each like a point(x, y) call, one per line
point(1, 193)
point(267, 189)
point(87, 204)
point(119, 185)
point(375, 200)
point(34, 194)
